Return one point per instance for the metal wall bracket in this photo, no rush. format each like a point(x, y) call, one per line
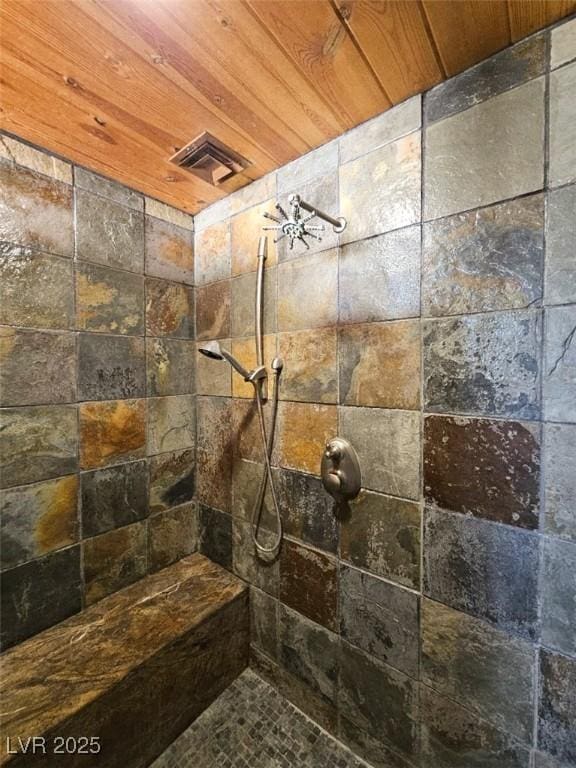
point(340, 470)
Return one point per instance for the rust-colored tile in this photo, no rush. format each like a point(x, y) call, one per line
point(247, 440)
point(169, 309)
point(112, 432)
point(309, 583)
point(245, 351)
point(213, 377)
point(303, 430)
point(109, 300)
point(215, 452)
point(213, 311)
point(169, 251)
point(212, 246)
point(309, 372)
point(246, 228)
point(114, 560)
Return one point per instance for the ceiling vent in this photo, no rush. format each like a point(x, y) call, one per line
point(210, 159)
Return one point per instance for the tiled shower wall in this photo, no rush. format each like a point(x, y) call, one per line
point(433, 622)
point(96, 387)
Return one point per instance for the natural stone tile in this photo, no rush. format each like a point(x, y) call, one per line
point(172, 479)
point(402, 119)
point(213, 311)
point(562, 167)
point(40, 593)
point(381, 191)
point(485, 569)
point(309, 583)
point(213, 213)
point(469, 163)
point(485, 364)
point(215, 452)
point(113, 497)
point(169, 251)
point(109, 300)
point(107, 188)
point(243, 292)
point(388, 447)
point(264, 622)
point(379, 700)
point(559, 380)
point(560, 277)
point(308, 292)
point(37, 519)
point(113, 561)
point(169, 309)
point(168, 213)
point(170, 366)
point(559, 595)
point(542, 760)
point(109, 233)
point(36, 367)
point(307, 510)
point(508, 69)
point(382, 534)
point(319, 162)
point(110, 367)
point(380, 618)
point(212, 253)
point(171, 423)
point(484, 468)
point(303, 431)
point(379, 364)
point(36, 289)
point(253, 193)
point(563, 44)
point(453, 737)
point(35, 211)
point(484, 260)
point(369, 747)
point(244, 350)
point(380, 277)
point(215, 535)
point(247, 441)
point(257, 571)
point(112, 432)
point(560, 480)
point(35, 160)
point(213, 377)
point(245, 230)
point(309, 372)
point(171, 536)
point(487, 671)
point(37, 443)
point(246, 479)
point(309, 653)
point(557, 712)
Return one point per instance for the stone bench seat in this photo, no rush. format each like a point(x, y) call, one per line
point(133, 670)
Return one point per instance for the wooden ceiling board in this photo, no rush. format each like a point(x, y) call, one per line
point(119, 85)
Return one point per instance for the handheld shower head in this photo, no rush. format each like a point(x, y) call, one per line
point(214, 351)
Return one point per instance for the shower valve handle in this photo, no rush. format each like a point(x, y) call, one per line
point(340, 470)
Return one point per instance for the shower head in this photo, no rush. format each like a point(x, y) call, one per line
point(214, 351)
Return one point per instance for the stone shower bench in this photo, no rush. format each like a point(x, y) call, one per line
point(133, 670)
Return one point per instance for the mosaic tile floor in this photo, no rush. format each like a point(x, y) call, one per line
point(252, 726)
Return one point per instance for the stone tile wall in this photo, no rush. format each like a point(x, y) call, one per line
point(433, 622)
point(97, 393)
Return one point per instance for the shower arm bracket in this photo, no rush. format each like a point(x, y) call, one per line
point(338, 225)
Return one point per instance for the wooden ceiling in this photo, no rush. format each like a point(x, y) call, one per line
point(119, 85)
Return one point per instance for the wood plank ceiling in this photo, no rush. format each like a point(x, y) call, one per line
point(119, 85)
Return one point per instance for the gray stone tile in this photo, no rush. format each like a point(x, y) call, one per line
point(484, 260)
point(559, 595)
point(402, 119)
point(110, 367)
point(483, 364)
point(30, 157)
point(557, 711)
point(35, 211)
point(381, 191)
point(213, 377)
point(484, 569)
point(264, 622)
point(215, 535)
point(243, 292)
point(487, 671)
point(246, 478)
point(541, 760)
point(113, 497)
point(562, 168)
point(453, 737)
point(171, 423)
point(213, 311)
point(172, 479)
point(109, 233)
point(560, 277)
point(382, 534)
point(309, 372)
point(308, 292)
point(388, 447)
point(36, 368)
point(169, 309)
point(171, 536)
point(380, 618)
point(497, 74)
point(99, 185)
point(40, 593)
point(36, 289)
point(380, 278)
point(170, 366)
point(490, 152)
point(169, 251)
point(168, 213)
point(563, 44)
point(559, 378)
point(37, 442)
point(319, 162)
point(559, 480)
point(109, 300)
point(37, 519)
point(212, 258)
point(247, 564)
point(379, 700)
point(252, 194)
point(215, 451)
